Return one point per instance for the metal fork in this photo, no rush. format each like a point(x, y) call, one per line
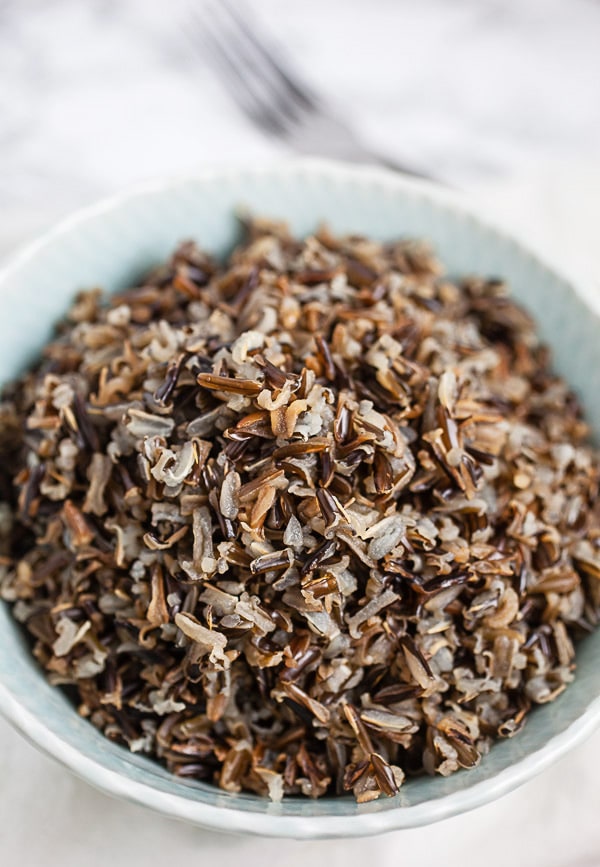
point(272, 95)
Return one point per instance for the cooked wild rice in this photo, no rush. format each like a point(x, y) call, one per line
point(306, 523)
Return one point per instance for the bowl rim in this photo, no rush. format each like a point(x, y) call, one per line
point(227, 818)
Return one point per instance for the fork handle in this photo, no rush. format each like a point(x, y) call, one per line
point(401, 168)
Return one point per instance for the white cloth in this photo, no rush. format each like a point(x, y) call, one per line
point(498, 97)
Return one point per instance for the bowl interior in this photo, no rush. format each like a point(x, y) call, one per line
point(115, 243)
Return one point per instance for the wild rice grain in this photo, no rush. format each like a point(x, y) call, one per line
point(308, 522)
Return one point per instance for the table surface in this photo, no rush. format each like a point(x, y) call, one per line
point(499, 97)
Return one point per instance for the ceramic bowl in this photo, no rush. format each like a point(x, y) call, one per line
point(115, 242)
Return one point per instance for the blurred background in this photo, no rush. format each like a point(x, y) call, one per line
point(496, 98)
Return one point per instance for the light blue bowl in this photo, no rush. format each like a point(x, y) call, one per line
point(111, 245)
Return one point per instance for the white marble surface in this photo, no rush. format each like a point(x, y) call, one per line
point(96, 94)
point(498, 97)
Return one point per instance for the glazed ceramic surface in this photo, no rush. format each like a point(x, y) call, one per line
point(111, 245)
